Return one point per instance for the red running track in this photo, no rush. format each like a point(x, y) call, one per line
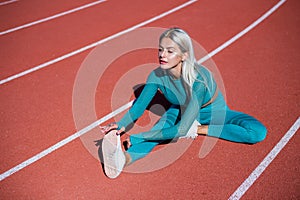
point(260, 74)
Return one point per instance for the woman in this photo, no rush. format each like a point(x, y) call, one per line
point(198, 107)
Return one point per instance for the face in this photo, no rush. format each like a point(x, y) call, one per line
point(169, 54)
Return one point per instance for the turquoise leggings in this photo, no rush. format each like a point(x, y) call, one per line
point(225, 124)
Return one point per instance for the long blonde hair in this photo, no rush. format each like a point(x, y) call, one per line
point(183, 40)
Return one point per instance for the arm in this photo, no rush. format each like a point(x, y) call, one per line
point(188, 117)
point(141, 102)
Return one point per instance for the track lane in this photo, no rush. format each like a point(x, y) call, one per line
point(2, 3)
point(281, 179)
point(30, 110)
point(23, 12)
point(52, 17)
point(25, 109)
point(224, 149)
point(278, 84)
point(79, 29)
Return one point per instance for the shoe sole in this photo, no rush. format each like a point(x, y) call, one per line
point(113, 156)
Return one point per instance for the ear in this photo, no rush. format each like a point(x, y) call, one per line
point(184, 56)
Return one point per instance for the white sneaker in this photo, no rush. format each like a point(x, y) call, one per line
point(192, 132)
point(113, 155)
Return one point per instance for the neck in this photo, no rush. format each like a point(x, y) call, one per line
point(176, 71)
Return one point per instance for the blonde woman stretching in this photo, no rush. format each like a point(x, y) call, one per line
point(194, 95)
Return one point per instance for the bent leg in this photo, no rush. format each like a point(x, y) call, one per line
point(238, 127)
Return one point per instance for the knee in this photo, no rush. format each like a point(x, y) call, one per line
point(257, 133)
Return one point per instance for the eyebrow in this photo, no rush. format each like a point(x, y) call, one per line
point(167, 47)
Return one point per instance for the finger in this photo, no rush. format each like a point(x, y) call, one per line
point(114, 126)
point(121, 131)
point(103, 132)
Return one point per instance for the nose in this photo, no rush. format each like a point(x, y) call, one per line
point(162, 54)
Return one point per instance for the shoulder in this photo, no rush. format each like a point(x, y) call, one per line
point(156, 75)
point(205, 79)
point(159, 72)
point(202, 71)
point(203, 76)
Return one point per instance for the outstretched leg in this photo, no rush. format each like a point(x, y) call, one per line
point(140, 148)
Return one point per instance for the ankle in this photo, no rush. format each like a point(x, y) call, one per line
point(128, 159)
point(202, 130)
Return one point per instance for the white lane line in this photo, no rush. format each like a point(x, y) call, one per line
point(72, 137)
point(46, 64)
point(7, 2)
point(63, 142)
point(50, 18)
point(266, 162)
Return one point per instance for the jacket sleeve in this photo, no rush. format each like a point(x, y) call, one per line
point(141, 103)
point(191, 112)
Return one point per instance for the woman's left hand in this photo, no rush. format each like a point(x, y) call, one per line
point(111, 126)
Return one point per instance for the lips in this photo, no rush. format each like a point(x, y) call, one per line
point(162, 62)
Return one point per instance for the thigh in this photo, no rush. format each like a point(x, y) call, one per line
point(214, 117)
point(255, 131)
point(238, 127)
point(226, 116)
point(239, 118)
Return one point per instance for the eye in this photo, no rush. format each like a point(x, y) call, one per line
point(170, 51)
